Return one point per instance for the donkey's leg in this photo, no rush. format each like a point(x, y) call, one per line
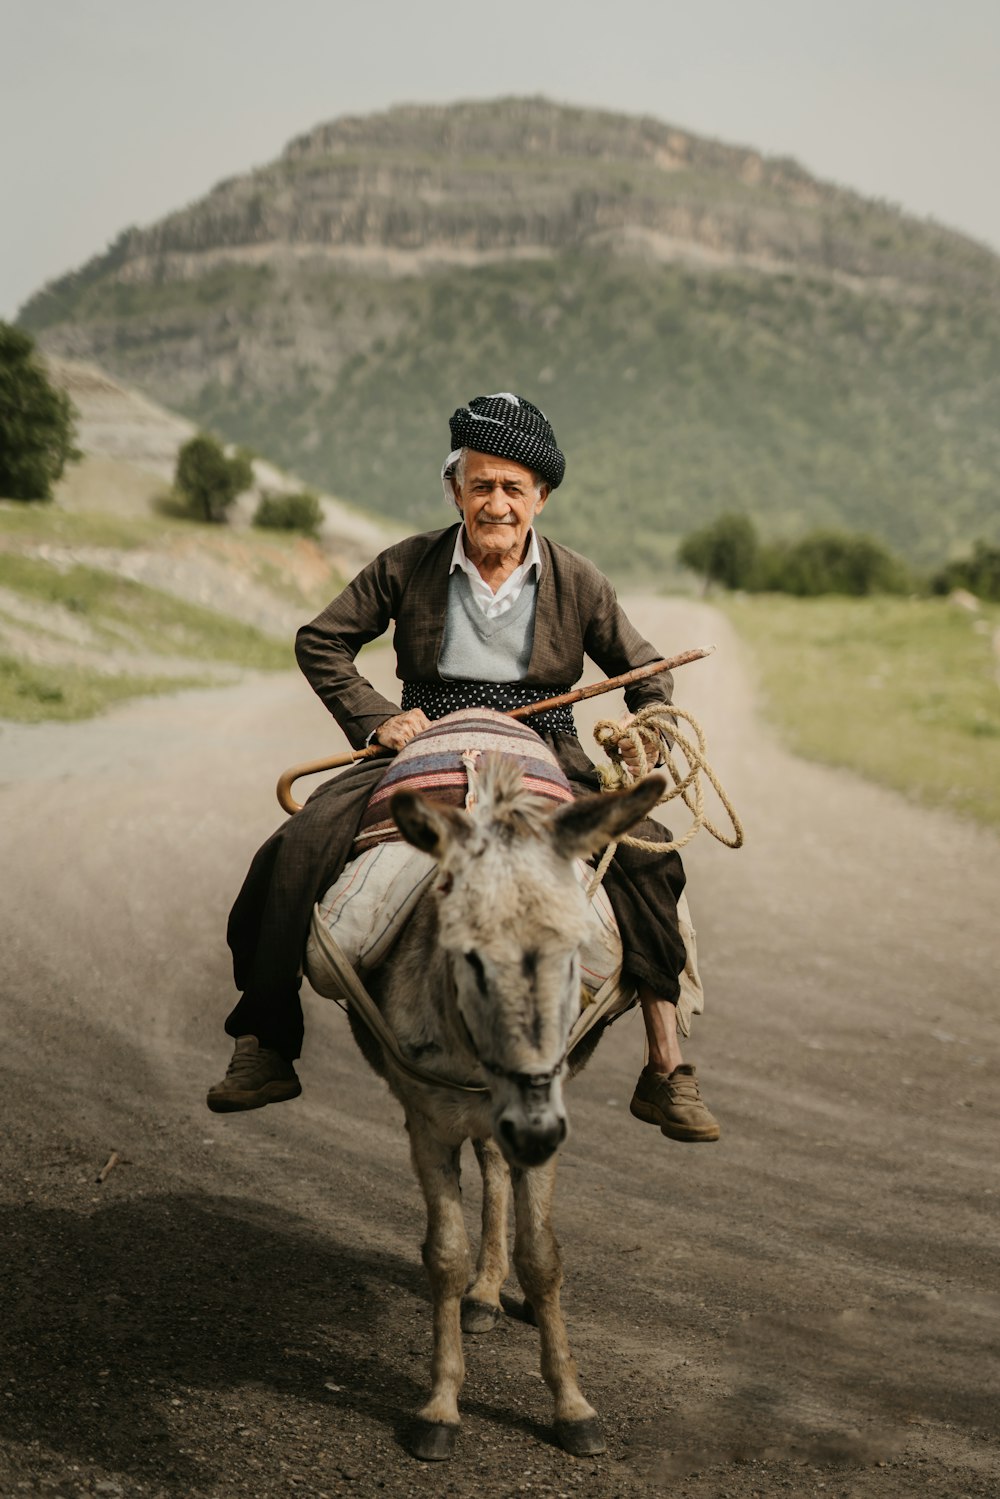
point(539, 1269)
point(446, 1255)
point(481, 1302)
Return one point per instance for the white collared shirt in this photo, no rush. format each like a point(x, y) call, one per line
point(506, 596)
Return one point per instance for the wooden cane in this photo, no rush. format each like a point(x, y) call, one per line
point(375, 751)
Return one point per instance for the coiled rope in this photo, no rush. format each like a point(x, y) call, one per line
point(656, 725)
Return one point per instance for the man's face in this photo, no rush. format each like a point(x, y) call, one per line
point(499, 502)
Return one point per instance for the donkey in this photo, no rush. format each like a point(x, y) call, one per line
point(483, 986)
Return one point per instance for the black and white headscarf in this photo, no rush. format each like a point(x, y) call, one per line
point(508, 427)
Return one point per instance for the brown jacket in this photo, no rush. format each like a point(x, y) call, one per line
point(577, 614)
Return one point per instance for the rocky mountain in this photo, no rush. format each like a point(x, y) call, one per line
point(707, 328)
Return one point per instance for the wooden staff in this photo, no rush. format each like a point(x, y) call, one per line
point(373, 751)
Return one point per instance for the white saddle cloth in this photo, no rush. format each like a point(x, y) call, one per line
point(368, 906)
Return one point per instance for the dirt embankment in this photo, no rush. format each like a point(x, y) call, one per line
point(808, 1307)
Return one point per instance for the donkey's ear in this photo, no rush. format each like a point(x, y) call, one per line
point(585, 826)
point(427, 825)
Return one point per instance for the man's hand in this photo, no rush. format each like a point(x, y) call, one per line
point(396, 732)
point(628, 752)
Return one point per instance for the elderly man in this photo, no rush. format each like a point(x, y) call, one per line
point(488, 614)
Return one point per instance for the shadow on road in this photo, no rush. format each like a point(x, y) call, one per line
point(113, 1323)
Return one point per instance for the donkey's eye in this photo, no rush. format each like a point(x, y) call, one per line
point(476, 964)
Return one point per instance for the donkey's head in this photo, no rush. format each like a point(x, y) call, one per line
point(511, 916)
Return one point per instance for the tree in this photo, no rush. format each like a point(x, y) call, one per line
point(36, 422)
point(724, 552)
point(833, 562)
point(208, 480)
point(980, 573)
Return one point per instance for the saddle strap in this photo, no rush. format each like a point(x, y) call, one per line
point(356, 995)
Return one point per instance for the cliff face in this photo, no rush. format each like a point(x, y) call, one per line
point(706, 326)
point(530, 177)
point(491, 179)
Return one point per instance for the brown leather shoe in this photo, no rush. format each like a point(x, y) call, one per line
point(674, 1103)
point(255, 1076)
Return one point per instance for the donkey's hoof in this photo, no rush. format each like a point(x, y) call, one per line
point(479, 1316)
point(581, 1438)
point(432, 1441)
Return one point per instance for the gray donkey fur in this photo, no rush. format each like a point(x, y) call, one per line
point(482, 988)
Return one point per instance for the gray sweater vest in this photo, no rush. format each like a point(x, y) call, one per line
point(478, 649)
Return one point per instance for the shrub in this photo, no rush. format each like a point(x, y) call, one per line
point(208, 480)
point(822, 562)
point(36, 422)
point(290, 512)
point(980, 573)
point(835, 562)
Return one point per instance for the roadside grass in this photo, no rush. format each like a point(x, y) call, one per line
point(96, 631)
point(42, 523)
point(35, 694)
point(286, 564)
point(903, 691)
point(157, 622)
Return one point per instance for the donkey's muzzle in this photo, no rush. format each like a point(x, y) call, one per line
point(530, 1144)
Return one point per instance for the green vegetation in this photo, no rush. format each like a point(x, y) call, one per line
point(726, 551)
point(831, 562)
point(130, 614)
point(272, 560)
point(208, 480)
point(677, 396)
point(83, 293)
point(157, 621)
point(36, 422)
point(729, 552)
point(36, 694)
point(96, 638)
point(289, 512)
point(978, 573)
point(33, 525)
point(903, 692)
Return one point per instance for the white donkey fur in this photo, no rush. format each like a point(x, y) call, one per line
point(483, 987)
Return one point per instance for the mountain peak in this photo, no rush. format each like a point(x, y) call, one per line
point(422, 184)
point(709, 328)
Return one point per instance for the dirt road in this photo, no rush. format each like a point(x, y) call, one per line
point(808, 1307)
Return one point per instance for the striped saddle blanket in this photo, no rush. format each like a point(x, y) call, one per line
point(366, 909)
point(436, 763)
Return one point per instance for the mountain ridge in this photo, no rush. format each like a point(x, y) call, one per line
point(459, 150)
point(708, 327)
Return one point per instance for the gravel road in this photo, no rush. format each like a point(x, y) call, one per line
point(808, 1307)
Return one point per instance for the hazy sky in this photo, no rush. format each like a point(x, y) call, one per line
point(114, 112)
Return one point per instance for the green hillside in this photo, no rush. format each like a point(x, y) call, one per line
point(706, 329)
point(98, 606)
point(675, 397)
